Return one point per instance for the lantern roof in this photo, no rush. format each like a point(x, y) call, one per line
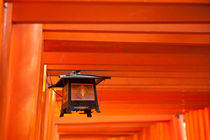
point(78, 75)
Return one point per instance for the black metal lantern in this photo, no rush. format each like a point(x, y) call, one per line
point(79, 92)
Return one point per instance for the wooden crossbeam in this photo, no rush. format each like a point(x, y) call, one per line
point(123, 1)
point(133, 28)
point(124, 59)
point(166, 38)
point(139, 74)
point(107, 12)
point(130, 119)
point(131, 68)
point(124, 47)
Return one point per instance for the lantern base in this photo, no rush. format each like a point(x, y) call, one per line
point(88, 112)
point(63, 111)
point(62, 114)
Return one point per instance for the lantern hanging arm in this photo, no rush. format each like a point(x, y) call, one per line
point(51, 85)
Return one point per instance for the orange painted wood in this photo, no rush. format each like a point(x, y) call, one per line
point(118, 134)
point(124, 59)
point(167, 38)
point(192, 126)
point(46, 115)
point(157, 71)
point(160, 87)
point(115, 12)
point(149, 1)
point(1, 21)
point(100, 128)
point(130, 28)
point(5, 34)
point(25, 60)
point(155, 81)
point(69, 137)
point(132, 68)
point(119, 109)
point(42, 119)
point(201, 125)
point(207, 122)
point(125, 47)
point(51, 117)
point(136, 74)
point(187, 126)
point(156, 131)
point(132, 119)
point(174, 128)
point(145, 97)
point(39, 109)
point(151, 97)
point(152, 87)
point(196, 124)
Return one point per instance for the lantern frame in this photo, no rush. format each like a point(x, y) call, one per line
point(85, 105)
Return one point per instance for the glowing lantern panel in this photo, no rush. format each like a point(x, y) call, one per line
point(82, 92)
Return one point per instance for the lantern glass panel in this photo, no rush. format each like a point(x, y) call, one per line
point(82, 91)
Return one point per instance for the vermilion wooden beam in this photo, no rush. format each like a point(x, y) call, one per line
point(148, 1)
point(88, 46)
point(94, 137)
point(156, 81)
point(87, 12)
point(135, 28)
point(132, 68)
point(107, 110)
point(135, 74)
point(64, 137)
point(101, 128)
point(141, 104)
point(123, 81)
point(86, 134)
point(99, 133)
point(189, 95)
point(159, 87)
point(124, 59)
point(122, 110)
point(140, 97)
point(107, 119)
point(179, 103)
point(167, 38)
point(135, 109)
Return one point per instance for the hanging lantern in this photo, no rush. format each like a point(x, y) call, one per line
point(79, 92)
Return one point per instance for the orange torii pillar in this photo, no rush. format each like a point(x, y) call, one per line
point(198, 124)
point(156, 131)
point(177, 131)
point(166, 130)
point(23, 81)
point(46, 128)
point(5, 34)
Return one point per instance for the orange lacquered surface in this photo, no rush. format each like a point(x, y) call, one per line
point(25, 60)
point(157, 53)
